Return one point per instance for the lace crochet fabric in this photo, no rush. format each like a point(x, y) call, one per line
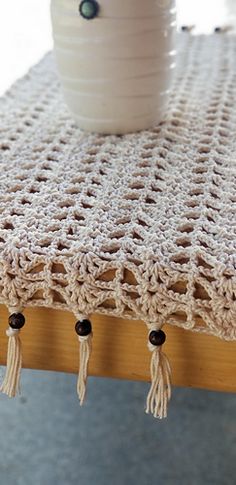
point(140, 226)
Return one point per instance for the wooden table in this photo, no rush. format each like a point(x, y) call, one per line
point(120, 350)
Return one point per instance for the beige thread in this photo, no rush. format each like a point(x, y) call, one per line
point(85, 352)
point(160, 391)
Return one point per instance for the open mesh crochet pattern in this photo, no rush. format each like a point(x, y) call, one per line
point(138, 226)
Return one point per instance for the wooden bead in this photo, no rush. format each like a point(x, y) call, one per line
point(89, 9)
point(157, 337)
point(16, 321)
point(83, 328)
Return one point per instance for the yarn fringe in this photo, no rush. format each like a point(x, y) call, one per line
point(11, 382)
point(160, 391)
point(160, 370)
point(85, 352)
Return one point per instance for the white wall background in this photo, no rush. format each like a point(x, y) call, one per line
point(25, 35)
point(25, 32)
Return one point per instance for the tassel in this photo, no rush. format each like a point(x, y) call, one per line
point(83, 329)
point(11, 382)
point(160, 391)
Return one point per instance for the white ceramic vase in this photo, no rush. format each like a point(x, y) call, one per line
point(115, 60)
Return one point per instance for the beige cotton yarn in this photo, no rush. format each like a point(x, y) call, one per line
point(158, 206)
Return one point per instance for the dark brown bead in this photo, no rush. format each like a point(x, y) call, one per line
point(16, 321)
point(83, 328)
point(157, 337)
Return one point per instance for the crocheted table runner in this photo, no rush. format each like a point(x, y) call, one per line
point(139, 226)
